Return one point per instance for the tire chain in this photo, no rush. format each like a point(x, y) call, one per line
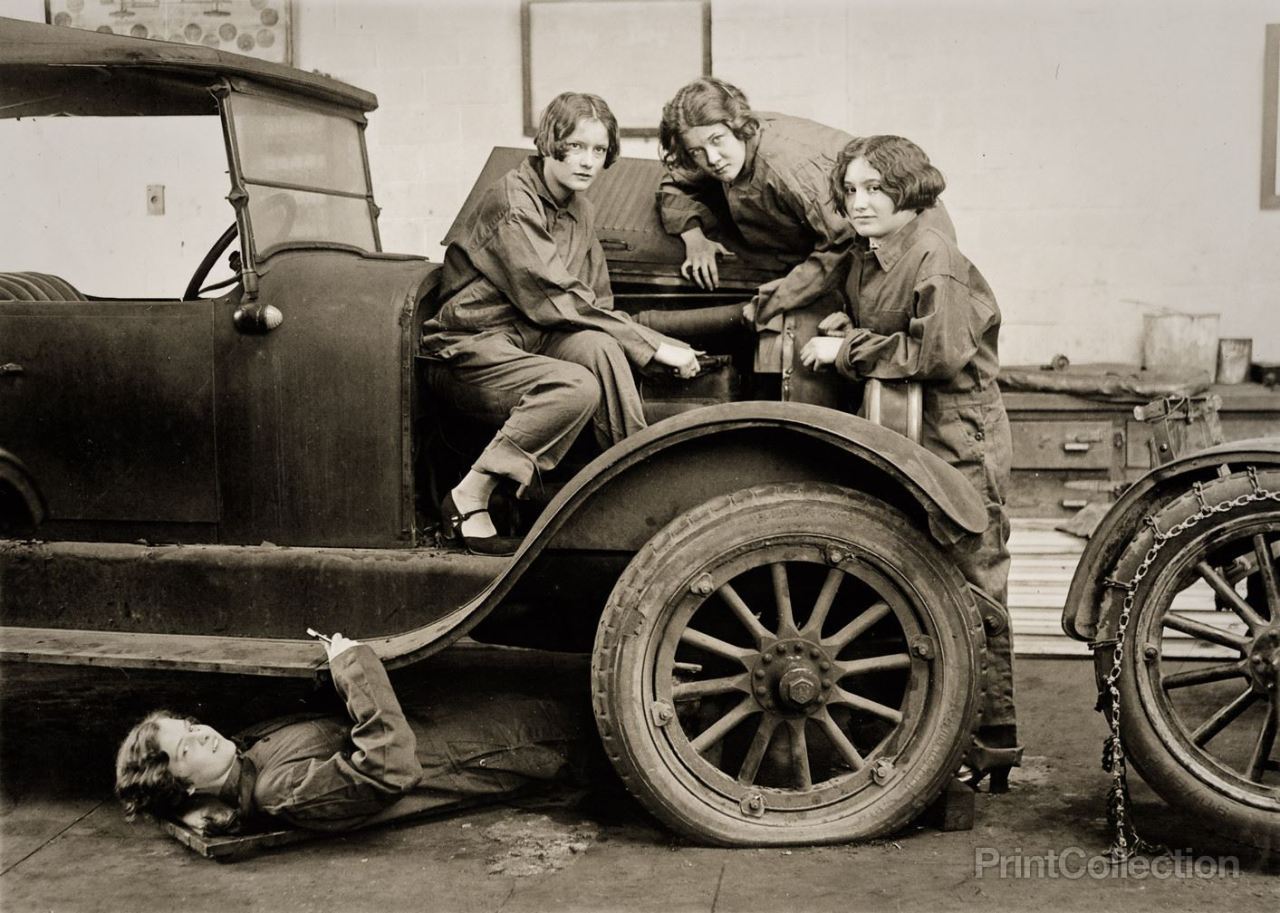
point(1125, 841)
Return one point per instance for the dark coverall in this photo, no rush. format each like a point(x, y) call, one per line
point(528, 331)
point(781, 205)
point(921, 311)
point(332, 774)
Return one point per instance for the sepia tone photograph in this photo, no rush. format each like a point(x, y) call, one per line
point(639, 455)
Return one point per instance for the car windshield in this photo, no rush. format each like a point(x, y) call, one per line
point(304, 172)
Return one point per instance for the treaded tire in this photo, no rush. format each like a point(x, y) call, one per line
point(1158, 730)
point(919, 651)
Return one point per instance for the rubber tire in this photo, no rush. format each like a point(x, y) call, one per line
point(660, 571)
point(1148, 754)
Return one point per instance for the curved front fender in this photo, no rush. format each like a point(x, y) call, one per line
point(1088, 604)
point(629, 492)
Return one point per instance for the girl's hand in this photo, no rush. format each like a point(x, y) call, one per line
point(338, 644)
point(699, 264)
point(836, 324)
point(819, 351)
point(680, 357)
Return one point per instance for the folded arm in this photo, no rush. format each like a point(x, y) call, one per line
point(939, 341)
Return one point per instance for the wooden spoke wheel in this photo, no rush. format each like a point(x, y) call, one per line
point(1200, 694)
point(788, 664)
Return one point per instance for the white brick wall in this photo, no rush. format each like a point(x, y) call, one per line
point(1102, 155)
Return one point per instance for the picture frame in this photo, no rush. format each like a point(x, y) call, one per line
point(1271, 119)
point(613, 41)
point(255, 28)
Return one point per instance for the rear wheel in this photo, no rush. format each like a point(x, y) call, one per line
point(788, 664)
point(1200, 691)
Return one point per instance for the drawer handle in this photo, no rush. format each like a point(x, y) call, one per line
point(11, 370)
point(1074, 503)
point(1076, 447)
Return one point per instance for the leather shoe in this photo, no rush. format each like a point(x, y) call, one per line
point(499, 546)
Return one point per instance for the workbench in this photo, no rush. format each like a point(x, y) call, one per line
point(1069, 450)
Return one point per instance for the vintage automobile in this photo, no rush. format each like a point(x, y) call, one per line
point(1177, 595)
point(781, 650)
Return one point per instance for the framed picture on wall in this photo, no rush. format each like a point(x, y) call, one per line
point(1271, 120)
point(258, 28)
point(634, 54)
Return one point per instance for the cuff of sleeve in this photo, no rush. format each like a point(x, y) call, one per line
point(846, 355)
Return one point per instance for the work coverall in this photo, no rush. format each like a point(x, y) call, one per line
point(334, 774)
point(780, 203)
point(921, 311)
point(527, 329)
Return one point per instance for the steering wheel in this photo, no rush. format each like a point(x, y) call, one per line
point(274, 218)
point(202, 271)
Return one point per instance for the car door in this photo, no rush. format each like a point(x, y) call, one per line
point(110, 403)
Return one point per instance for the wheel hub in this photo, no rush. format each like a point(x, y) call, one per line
point(1264, 661)
point(793, 675)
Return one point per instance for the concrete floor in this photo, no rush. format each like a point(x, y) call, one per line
point(65, 847)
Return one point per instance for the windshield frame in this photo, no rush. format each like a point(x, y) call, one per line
point(243, 184)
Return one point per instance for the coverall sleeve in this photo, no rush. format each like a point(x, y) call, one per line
point(809, 200)
point(522, 261)
point(679, 206)
point(379, 764)
point(942, 337)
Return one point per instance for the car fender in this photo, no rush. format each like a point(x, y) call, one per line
point(619, 500)
point(1090, 606)
point(636, 487)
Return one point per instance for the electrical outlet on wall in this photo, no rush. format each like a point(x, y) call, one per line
point(155, 199)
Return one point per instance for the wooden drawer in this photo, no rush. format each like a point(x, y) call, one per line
point(1048, 494)
point(1063, 445)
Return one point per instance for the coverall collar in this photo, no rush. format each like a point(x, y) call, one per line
point(531, 172)
point(237, 790)
point(889, 251)
point(749, 159)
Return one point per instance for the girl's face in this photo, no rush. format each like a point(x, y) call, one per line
point(871, 210)
point(585, 150)
point(717, 152)
point(197, 753)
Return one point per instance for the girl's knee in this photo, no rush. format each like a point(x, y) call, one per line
point(581, 389)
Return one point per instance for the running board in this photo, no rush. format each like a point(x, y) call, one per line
point(241, 655)
point(187, 652)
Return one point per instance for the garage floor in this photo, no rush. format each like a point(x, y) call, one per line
point(65, 847)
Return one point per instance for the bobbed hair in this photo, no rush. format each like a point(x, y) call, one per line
point(561, 118)
point(144, 784)
point(906, 174)
point(707, 100)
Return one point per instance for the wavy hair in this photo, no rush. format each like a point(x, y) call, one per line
point(906, 174)
point(561, 118)
point(707, 100)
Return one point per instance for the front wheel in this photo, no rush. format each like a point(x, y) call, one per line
point(788, 664)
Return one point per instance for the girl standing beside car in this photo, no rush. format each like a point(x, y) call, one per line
point(918, 310)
